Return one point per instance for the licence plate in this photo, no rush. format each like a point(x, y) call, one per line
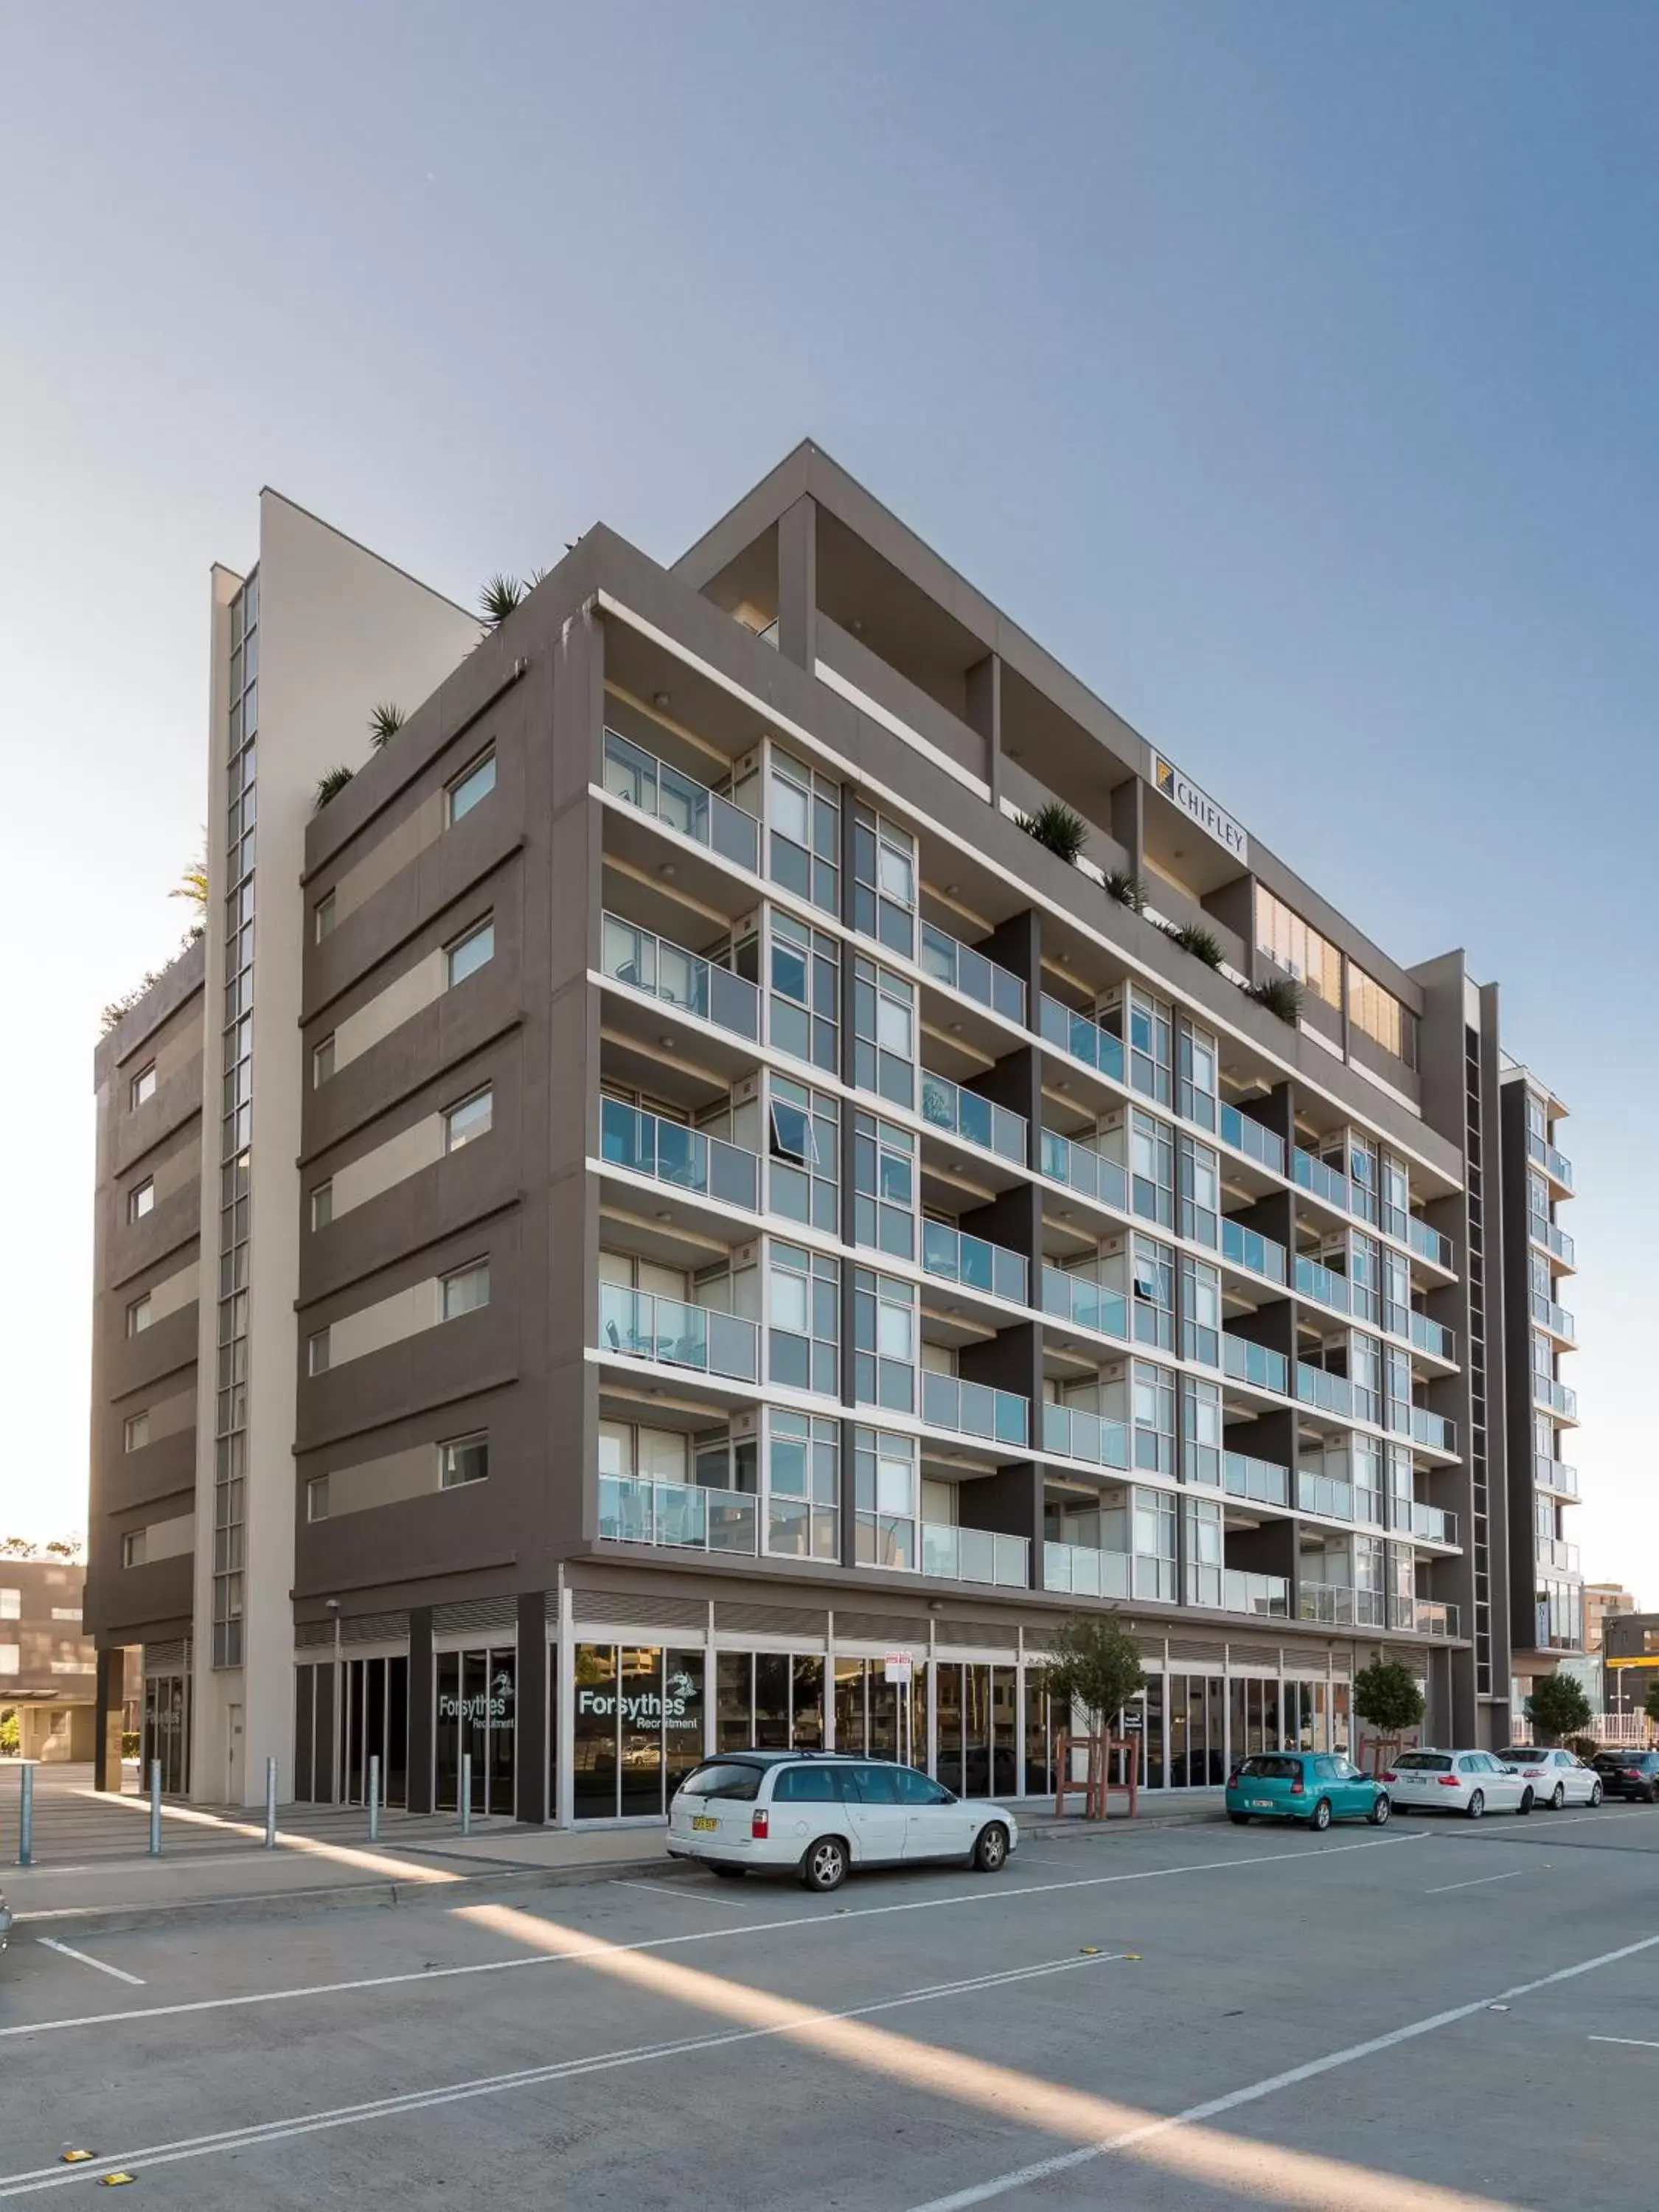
point(702, 1820)
point(1261, 1804)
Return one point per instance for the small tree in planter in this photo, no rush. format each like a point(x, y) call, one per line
point(1096, 1667)
point(1203, 943)
point(1128, 890)
point(331, 787)
point(500, 595)
point(1280, 996)
point(1558, 1707)
point(384, 723)
point(1056, 826)
point(1386, 1694)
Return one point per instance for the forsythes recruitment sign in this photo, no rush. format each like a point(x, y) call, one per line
point(1213, 820)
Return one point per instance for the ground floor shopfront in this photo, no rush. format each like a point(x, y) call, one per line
point(586, 1719)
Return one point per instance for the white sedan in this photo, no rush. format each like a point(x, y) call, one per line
point(1472, 1782)
point(1558, 1779)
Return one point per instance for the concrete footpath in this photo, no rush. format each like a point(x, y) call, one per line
point(92, 1874)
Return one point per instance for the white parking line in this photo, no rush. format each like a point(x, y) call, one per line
point(1630, 2042)
point(28, 2183)
point(1212, 2107)
point(1479, 1882)
point(86, 1960)
point(687, 1896)
point(840, 1917)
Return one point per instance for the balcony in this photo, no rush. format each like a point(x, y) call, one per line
point(1431, 1337)
point(1322, 1284)
point(1264, 1594)
point(1079, 1570)
point(1554, 1240)
point(1555, 1552)
point(1556, 1165)
point(1085, 1303)
point(1264, 1146)
point(1555, 1397)
point(680, 802)
point(1425, 1616)
point(1324, 1494)
point(959, 968)
point(1258, 1479)
point(682, 1158)
point(1554, 1475)
point(639, 1325)
point(1433, 1430)
point(1249, 1248)
point(973, 1263)
point(1080, 1170)
point(1337, 1605)
point(976, 1555)
point(1311, 1173)
point(945, 1105)
point(1429, 1242)
point(1554, 1318)
point(1074, 1432)
point(677, 1516)
point(1082, 1037)
point(975, 1409)
point(1331, 1394)
point(683, 980)
point(1257, 1363)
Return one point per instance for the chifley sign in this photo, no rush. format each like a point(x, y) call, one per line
point(1213, 820)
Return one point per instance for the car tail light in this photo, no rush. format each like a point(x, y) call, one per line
point(1633, 1774)
point(1296, 1787)
point(1388, 1777)
point(1232, 1779)
point(1450, 1782)
point(759, 1825)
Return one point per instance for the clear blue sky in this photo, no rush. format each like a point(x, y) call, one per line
point(1289, 371)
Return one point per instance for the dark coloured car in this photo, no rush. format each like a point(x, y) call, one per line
point(1633, 1774)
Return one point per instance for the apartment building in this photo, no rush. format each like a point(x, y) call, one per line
point(47, 1661)
point(694, 1200)
point(1604, 1604)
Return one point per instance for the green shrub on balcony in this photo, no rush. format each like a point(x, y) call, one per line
point(1279, 996)
point(1055, 825)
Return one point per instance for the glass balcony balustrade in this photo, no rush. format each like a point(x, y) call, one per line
point(976, 1264)
point(682, 1158)
point(1331, 1394)
point(959, 968)
point(1555, 1164)
point(1085, 1303)
point(1324, 1494)
point(1309, 1170)
point(1544, 1232)
point(945, 1105)
point(1428, 1242)
point(1263, 1594)
point(1432, 1337)
point(976, 1555)
point(1336, 1605)
point(1322, 1284)
point(1082, 1037)
point(1247, 1248)
point(641, 1325)
point(1265, 1146)
point(681, 802)
point(1074, 1432)
point(975, 1409)
point(1425, 1616)
point(1081, 1170)
point(677, 1516)
point(1554, 1475)
point(1555, 1318)
point(1433, 1428)
point(630, 955)
point(1257, 1363)
point(1259, 1479)
point(1431, 1523)
point(1556, 1553)
point(1079, 1570)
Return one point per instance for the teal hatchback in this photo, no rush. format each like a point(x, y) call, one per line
point(1315, 1786)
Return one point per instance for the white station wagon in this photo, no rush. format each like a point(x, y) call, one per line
point(816, 1814)
point(1472, 1782)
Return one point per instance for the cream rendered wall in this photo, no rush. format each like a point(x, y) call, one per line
point(340, 631)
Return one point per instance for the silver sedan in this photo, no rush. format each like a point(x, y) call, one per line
point(1557, 1777)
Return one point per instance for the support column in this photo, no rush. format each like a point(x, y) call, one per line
point(109, 1714)
point(421, 1743)
point(984, 705)
point(530, 1763)
point(798, 584)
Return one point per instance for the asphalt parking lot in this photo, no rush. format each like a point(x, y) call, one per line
point(1436, 2016)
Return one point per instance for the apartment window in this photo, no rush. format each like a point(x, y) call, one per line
point(1151, 1293)
point(804, 1320)
point(317, 1498)
point(1199, 1090)
point(884, 1498)
point(803, 1483)
point(803, 1175)
point(803, 813)
point(1152, 1168)
point(468, 954)
point(1205, 1551)
point(472, 785)
point(463, 1459)
point(322, 1206)
point(1201, 1193)
point(465, 1290)
point(469, 1118)
point(1366, 1457)
point(1152, 1411)
point(322, 1062)
point(885, 1181)
point(1200, 1312)
point(1365, 1376)
point(884, 1342)
point(804, 1010)
point(138, 1315)
point(1152, 1522)
point(322, 916)
point(884, 882)
point(1378, 1015)
point(11, 1659)
point(1202, 1425)
point(135, 1432)
point(884, 1033)
point(67, 1613)
point(141, 1200)
point(143, 1086)
point(133, 1547)
point(1396, 1195)
point(1364, 1271)
point(1147, 1030)
point(317, 1352)
point(11, 1605)
point(1302, 952)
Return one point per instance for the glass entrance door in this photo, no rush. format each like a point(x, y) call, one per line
point(478, 1712)
point(167, 1731)
point(375, 1720)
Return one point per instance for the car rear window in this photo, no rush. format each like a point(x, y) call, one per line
point(1272, 1770)
point(809, 1785)
point(724, 1778)
point(1521, 1754)
point(1423, 1762)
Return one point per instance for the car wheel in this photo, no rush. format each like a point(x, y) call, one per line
point(1557, 1796)
point(1595, 1794)
point(1653, 1795)
point(1239, 1819)
point(1527, 1803)
point(1380, 1809)
point(1477, 1805)
point(824, 1865)
point(726, 1873)
point(991, 1851)
point(1321, 1816)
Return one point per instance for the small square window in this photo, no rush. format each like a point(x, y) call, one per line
point(472, 785)
point(464, 1291)
point(11, 1658)
point(133, 1547)
point(135, 1433)
point(138, 1315)
point(322, 1206)
point(322, 1062)
point(323, 916)
point(468, 954)
point(11, 1605)
point(462, 1460)
point(317, 1352)
point(141, 1200)
point(143, 1086)
point(469, 1119)
point(317, 1498)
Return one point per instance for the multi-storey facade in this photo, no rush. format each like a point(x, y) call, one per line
point(1604, 1602)
point(47, 1661)
point(701, 1200)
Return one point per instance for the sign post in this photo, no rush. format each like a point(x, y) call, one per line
point(901, 1667)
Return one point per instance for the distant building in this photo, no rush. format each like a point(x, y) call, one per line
point(1630, 1659)
point(1604, 1602)
point(48, 1668)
